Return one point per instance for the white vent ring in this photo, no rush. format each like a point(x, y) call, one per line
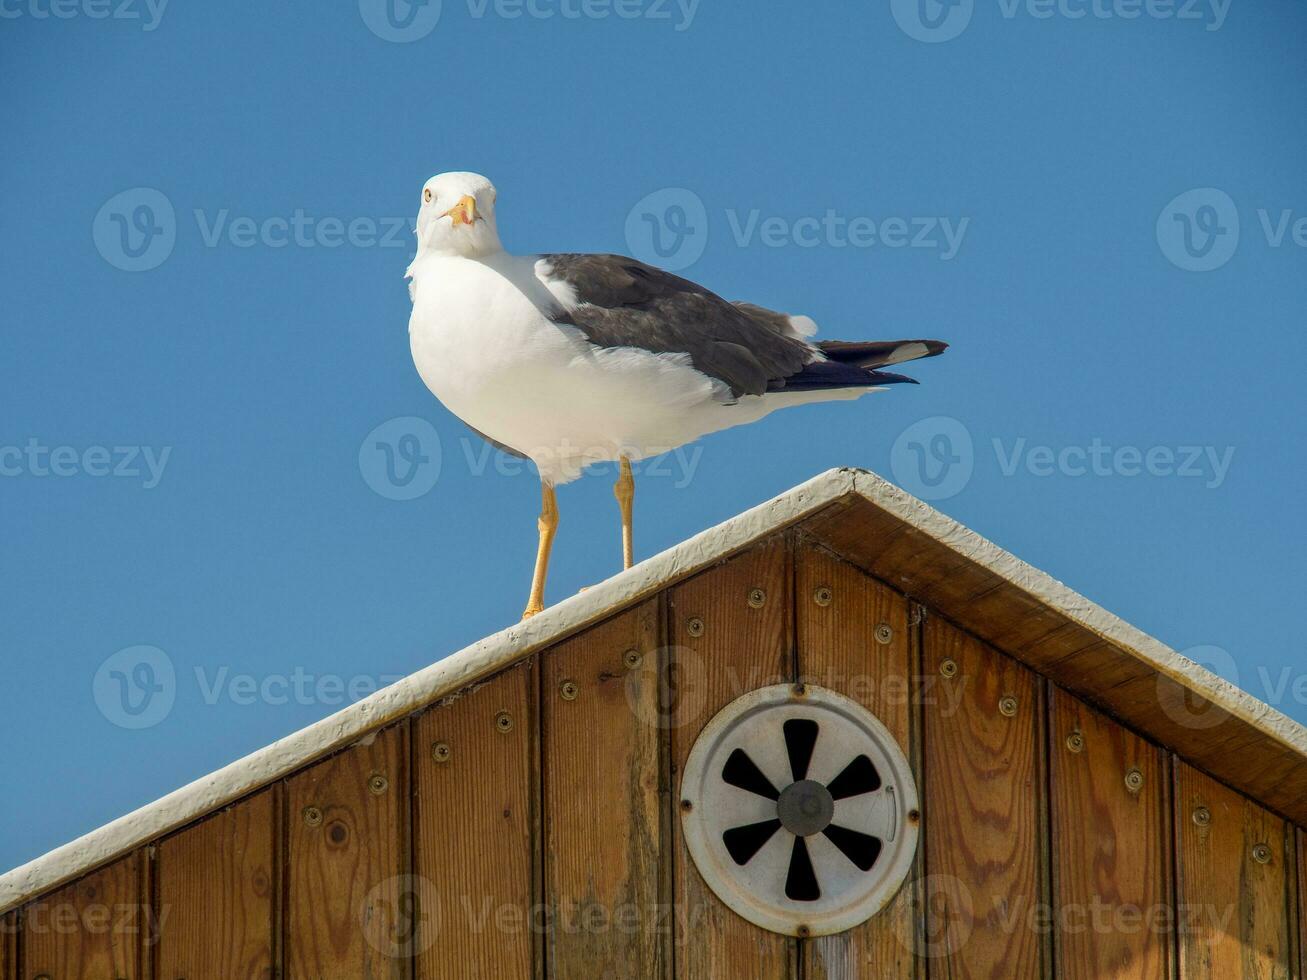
point(799, 810)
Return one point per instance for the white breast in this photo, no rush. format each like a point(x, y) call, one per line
point(484, 347)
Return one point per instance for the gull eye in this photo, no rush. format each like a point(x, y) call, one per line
point(426, 194)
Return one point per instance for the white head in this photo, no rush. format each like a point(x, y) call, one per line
point(457, 216)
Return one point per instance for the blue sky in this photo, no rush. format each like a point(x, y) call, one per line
point(205, 223)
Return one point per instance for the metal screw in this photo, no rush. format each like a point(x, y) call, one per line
point(948, 668)
point(757, 597)
point(632, 658)
point(884, 633)
point(1007, 706)
point(378, 784)
point(1262, 853)
point(1075, 742)
point(823, 595)
point(504, 722)
point(312, 817)
point(1134, 780)
point(687, 806)
point(803, 932)
point(694, 626)
point(1202, 816)
point(441, 751)
point(568, 690)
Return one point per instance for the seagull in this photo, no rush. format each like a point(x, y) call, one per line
point(571, 360)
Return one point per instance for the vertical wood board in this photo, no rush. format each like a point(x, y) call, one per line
point(1232, 909)
point(347, 914)
point(218, 884)
point(1111, 848)
point(985, 835)
point(839, 650)
point(476, 832)
point(741, 648)
point(605, 804)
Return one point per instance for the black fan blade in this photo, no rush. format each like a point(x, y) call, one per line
point(741, 771)
point(862, 849)
point(800, 738)
point(742, 843)
point(801, 883)
point(858, 777)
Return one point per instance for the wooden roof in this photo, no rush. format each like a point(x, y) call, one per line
point(902, 541)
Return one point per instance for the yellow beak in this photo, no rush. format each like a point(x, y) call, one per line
point(464, 212)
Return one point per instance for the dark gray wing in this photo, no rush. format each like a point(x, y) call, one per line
point(624, 303)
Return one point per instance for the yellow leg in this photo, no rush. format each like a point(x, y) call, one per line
point(624, 491)
point(548, 525)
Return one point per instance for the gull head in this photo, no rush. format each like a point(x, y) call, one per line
point(457, 216)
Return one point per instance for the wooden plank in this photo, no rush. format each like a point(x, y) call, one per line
point(1111, 862)
point(985, 837)
point(217, 884)
point(91, 929)
point(605, 801)
point(740, 648)
point(1235, 875)
point(347, 854)
point(9, 946)
point(475, 831)
point(1300, 911)
point(838, 650)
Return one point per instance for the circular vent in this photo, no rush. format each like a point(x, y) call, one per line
point(799, 810)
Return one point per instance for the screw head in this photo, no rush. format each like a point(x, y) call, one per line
point(632, 658)
point(803, 932)
point(503, 722)
point(884, 633)
point(947, 667)
point(757, 597)
point(441, 752)
point(378, 784)
point(1075, 742)
point(568, 690)
point(1262, 853)
point(694, 626)
point(686, 806)
point(822, 595)
point(1007, 706)
point(312, 816)
point(1134, 780)
point(1202, 816)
